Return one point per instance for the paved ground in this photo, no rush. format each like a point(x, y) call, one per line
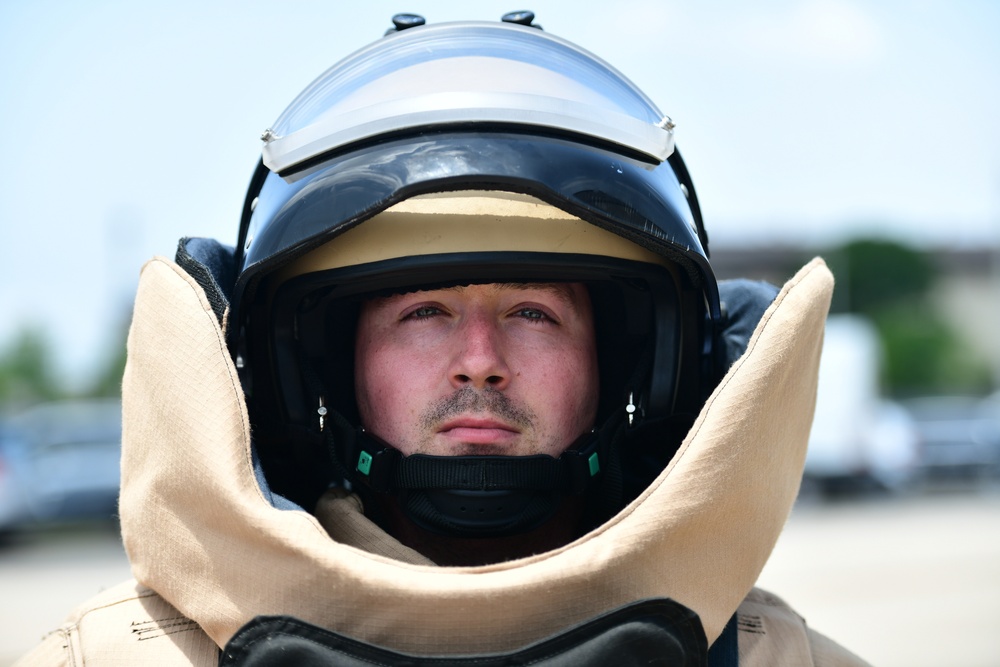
point(901, 581)
point(908, 581)
point(43, 575)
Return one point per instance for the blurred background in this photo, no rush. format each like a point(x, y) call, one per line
point(862, 132)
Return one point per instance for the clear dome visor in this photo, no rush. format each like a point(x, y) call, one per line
point(467, 72)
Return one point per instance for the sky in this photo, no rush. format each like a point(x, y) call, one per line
point(803, 122)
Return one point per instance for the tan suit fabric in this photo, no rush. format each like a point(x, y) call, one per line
point(200, 532)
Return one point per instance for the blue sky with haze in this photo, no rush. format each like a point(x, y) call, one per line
point(131, 124)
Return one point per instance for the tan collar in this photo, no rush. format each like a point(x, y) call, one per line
point(199, 531)
point(342, 516)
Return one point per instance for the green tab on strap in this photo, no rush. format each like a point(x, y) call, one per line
point(364, 462)
point(595, 464)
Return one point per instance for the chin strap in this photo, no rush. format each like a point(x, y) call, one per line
point(471, 496)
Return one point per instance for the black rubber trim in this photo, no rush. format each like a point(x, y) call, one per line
point(645, 633)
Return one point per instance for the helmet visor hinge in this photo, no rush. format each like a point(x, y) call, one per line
point(631, 408)
point(321, 411)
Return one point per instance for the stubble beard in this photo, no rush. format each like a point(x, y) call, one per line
point(485, 402)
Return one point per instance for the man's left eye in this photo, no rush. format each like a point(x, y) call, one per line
point(532, 314)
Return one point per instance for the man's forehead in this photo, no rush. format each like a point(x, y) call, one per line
point(572, 294)
point(564, 291)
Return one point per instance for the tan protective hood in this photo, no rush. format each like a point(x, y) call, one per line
point(199, 531)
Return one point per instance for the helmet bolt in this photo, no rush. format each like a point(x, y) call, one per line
point(404, 21)
point(520, 18)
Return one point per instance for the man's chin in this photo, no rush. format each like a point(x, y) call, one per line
point(494, 450)
point(475, 449)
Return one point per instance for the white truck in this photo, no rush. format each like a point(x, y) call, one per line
point(858, 437)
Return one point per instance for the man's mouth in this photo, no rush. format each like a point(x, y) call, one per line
point(478, 431)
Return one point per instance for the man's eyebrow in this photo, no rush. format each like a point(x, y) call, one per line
point(560, 290)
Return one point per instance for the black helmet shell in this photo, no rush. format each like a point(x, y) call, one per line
point(465, 108)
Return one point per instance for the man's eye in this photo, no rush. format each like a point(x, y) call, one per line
point(423, 312)
point(531, 314)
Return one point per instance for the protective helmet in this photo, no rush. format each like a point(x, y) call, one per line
point(580, 166)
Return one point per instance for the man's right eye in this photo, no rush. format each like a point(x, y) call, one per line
point(423, 312)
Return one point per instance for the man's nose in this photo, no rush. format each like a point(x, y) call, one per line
point(480, 355)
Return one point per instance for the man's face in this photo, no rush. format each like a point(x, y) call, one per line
point(508, 369)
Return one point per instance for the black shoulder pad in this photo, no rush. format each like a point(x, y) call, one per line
point(212, 265)
point(646, 633)
point(743, 302)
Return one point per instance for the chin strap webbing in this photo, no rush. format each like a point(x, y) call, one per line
point(488, 473)
point(361, 456)
point(474, 496)
point(384, 469)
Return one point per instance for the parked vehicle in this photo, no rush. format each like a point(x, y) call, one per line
point(14, 509)
point(60, 462)
point(858, 437)
point(960, 435)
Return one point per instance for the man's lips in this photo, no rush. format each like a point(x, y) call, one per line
point(474, 430)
